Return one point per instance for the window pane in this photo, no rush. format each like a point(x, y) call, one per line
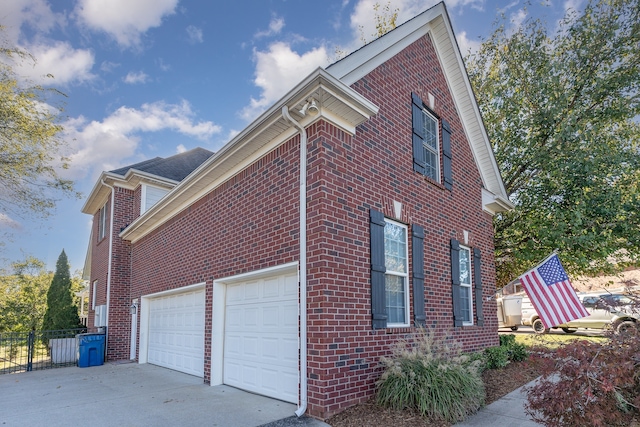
point(395, 248)
point(431, 148)
point(395, 292)
point(432, 164)
point(465, 284)
point(465, 298)
point(465, 266)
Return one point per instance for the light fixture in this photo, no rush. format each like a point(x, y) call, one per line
point(309, 107)
point(313, 108)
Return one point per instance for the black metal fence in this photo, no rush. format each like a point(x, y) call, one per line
point(31, 351)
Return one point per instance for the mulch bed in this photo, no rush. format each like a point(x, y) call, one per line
point(498, 383)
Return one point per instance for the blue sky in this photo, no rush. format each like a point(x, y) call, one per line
point(147, 78)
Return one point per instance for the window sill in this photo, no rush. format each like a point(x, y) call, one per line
point(432, 181)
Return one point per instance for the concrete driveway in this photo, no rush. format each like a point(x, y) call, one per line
point(133, 395)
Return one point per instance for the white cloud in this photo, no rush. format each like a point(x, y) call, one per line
point(181, 149)
point(466, 45)
point(124, 20)
point(7, 222)
point(102, 145)
point(35, 13)
point(66, 64)
point(108, 66)
point(517, 19)
point(195, 34)
point(574, 5)
point(133, 78)
point(275, 26)
point(277, 69)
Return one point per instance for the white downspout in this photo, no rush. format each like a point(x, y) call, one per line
point(110, 255)
point(303, 262)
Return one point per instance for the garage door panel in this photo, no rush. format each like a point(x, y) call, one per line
point(176, 332)
point(261, 336)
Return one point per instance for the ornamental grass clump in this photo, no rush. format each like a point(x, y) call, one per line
point(430, 374)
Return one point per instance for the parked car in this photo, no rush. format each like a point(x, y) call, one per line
point(617, 311)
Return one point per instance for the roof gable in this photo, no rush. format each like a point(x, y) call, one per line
point(165, 172)
point(435, 23)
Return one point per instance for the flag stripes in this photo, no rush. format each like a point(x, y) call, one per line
point(551, 293)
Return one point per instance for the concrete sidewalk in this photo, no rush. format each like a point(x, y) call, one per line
point(134, 395)
point(505, 412)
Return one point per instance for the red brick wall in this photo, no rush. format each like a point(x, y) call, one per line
point(347, 177)
point(119, 317)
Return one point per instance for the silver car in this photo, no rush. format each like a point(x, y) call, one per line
point(617, 311)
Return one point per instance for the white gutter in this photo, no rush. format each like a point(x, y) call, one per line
point(303, 261)
point(110, 254)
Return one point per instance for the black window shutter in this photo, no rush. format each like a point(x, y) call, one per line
point(477, 281)
point(378, 296)
point(446, 155)
point(455, 282)
point(419, 164)
point(417, 257)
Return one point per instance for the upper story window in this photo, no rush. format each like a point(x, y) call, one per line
point(431, 153)
point(431, 146)
point(150, 196)
point(102, 222)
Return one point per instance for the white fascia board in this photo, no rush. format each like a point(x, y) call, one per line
point(364, 60)
point(493, 204)
point(230, 160)
point(99, 193)
point(489, 166)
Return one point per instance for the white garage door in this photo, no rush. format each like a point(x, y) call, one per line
point(176, 332)
point(261, 337)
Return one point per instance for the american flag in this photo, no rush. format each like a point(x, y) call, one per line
point(551, 293)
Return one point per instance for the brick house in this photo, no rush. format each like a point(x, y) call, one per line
point(356, 208)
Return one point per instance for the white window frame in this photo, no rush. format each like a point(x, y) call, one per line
point(102, 223)
point(94, 290)
point(467, 286)
point(404, 275)
point(427, 115)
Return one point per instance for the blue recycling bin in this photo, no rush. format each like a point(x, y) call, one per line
point(90, 350)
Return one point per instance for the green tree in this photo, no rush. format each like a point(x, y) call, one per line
point(30, 143)
point(23, 296)
point(61, 312)
point(562, 113)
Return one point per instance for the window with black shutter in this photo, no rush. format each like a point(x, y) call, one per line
point(390, 272)
point(427, 146)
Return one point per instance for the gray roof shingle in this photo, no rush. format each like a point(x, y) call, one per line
point(176, 167)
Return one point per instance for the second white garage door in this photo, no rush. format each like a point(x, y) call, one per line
point(176, 332)
point(261, 336)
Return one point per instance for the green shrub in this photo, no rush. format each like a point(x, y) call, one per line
point(496, 357)
point(507, 340)
point(516, 352)
point(431, 375)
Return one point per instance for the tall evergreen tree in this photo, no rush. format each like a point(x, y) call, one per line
point(61, 312)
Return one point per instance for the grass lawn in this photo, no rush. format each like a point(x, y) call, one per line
point(554, 340)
